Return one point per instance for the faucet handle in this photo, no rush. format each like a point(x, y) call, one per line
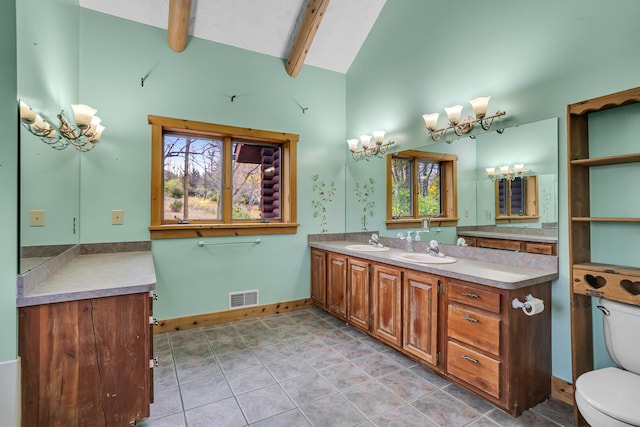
point(400, 235)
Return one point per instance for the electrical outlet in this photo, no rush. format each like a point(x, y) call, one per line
point(36, 218)
point(117, 217)
point(466, 213)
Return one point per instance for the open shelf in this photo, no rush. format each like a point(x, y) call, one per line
point(606, 161)
point(603, 219)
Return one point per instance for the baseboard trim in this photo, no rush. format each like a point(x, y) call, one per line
point(182, 323)
point(562, 390)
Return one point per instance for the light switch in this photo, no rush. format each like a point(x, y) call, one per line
point(36, 218)
point(117, 217)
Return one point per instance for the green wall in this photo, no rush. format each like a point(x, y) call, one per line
point(197, 84)
point(533, 59)
point(8, 177)
point(48, 74)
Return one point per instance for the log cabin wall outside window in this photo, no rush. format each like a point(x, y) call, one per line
point(421, 185)
point(217, 180)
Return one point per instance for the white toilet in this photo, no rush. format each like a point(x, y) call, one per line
point(610, 397)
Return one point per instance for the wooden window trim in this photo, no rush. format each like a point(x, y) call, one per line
point(531, 207)
point(449, 173)
point(287, 224)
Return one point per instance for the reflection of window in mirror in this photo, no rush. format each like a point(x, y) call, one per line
point(517, 199)
point(421, 185)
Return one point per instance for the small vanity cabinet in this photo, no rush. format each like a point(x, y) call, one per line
point(467, 332)
point(541, 248)
point(495, 350)
point(87, 362)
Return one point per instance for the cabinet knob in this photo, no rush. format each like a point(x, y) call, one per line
point(470, 295)
point(470, 359)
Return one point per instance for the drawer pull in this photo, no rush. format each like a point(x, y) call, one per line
point(470, 319)
point(470, 359)
point(470, 295)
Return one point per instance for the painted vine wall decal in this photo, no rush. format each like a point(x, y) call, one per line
point(364, 195)
point(324, 196)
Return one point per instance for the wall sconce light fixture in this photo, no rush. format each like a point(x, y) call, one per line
point(505, 172)
point(83, 136)
point(369, 148)
point(459, 124)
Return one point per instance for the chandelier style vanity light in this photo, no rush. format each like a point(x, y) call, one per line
point(461, 125)
point(84, 135)
point(505, 172)
point(369, 148)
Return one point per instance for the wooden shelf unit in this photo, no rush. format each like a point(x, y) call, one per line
point(589, 279)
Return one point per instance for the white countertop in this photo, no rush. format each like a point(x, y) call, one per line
point(486, 273)
point(94, 276)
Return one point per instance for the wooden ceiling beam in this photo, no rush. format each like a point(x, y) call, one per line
point(179, 15)
point(307, 31)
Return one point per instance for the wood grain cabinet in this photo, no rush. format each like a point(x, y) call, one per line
point(420, 315)
point(319, 277)
point(86, 362)
point(358, 303)
point(515, 245)
point(386, 304)
point(498, 351)
point(337, 285)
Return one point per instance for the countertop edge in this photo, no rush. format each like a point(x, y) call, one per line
point(82, 295)
point(509, 236)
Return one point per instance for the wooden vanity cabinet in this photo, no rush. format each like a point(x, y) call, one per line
point(496, 350)
point(337, 285)
point(319, 277)
point(514, 245)
point(358, 287)
point(420, 315)
point(386, 304)
point(86, 362)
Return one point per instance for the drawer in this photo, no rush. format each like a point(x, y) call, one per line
point(474, 368)
point(474, 328)
point(540, 248)
point(486, 300)
point(509, 245)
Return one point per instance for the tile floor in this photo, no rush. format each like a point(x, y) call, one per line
point(306, 368)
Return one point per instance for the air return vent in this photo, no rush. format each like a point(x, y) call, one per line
point(243, 299)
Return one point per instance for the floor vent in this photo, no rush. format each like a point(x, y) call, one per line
point(243, 299)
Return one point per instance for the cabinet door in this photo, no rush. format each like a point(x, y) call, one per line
point(358, 293)
point(386, 307)
point(85, 362)
point(337, 285)
point(319, 277)
point(420, 308)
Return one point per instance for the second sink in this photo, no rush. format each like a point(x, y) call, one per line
point(422, 258)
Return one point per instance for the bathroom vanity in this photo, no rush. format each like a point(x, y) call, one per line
point(456, 319)
point(85, 338)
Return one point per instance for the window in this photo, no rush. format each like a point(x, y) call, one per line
point(517, 199)
point(420, 185)
point(215, 180)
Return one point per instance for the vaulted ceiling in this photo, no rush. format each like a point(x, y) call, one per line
point(264, 26)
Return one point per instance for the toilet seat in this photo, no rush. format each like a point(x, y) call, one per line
point(612, 392)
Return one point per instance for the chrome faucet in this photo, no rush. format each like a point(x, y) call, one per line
point(375, 241)
point(433, 248)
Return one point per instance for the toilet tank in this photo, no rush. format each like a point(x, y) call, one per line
point(622, 334)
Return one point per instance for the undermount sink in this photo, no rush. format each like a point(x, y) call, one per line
point(366, 248)
point(422, 258)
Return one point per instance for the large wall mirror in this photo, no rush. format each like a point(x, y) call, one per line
point(535, 145)
point(50, 189)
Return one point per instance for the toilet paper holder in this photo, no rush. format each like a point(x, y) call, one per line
point(530, 306)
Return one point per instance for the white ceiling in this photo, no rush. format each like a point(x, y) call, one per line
point(264, 26)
